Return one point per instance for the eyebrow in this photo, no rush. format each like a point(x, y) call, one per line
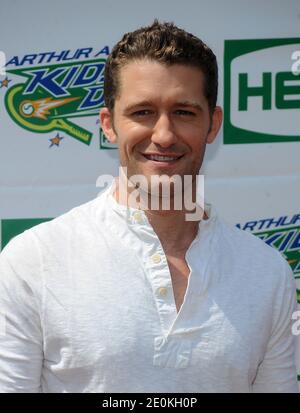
point(185, 103)
point(194, 105)
point(143, 103)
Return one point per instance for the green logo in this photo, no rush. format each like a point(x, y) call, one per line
point(261, 91)
point(57, 98)
point(286, 241)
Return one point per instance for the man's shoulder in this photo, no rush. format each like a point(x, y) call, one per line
point(60, 230)
point(245, 241)
point(69, 220)
point(251, 254)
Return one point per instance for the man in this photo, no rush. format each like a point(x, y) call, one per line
point(114, 296)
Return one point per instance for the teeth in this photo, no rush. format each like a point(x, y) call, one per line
point(161, 158)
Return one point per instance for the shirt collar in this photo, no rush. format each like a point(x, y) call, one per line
point(134, 216)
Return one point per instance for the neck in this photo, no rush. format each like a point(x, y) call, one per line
point(173, 230)
point(176, 228)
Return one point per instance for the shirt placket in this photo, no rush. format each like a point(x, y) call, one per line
point(173, 347)
point(170, 350)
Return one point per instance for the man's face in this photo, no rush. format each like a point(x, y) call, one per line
point(161, 111)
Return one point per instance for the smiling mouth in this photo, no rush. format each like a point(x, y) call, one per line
point(162, 158)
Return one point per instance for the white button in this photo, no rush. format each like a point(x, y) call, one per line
point(156, 258)
point(159, 342)
point(162, 291)
point(137, 216)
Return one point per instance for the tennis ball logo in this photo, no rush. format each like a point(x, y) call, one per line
point(26, 109)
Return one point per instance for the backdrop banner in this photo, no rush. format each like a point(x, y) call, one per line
point(52, 148)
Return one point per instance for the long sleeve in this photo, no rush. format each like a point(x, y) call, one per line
point(21, 344)
point(277, 372)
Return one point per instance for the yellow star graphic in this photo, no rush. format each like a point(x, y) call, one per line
point(56, 140)
point(5, 82)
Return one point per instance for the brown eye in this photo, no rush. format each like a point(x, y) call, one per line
point(143, 112)
point(184, 112)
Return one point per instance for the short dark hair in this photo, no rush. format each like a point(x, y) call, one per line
point(164, 43)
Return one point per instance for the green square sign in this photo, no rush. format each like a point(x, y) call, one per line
point(262, 91)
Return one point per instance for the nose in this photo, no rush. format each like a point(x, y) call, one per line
point(163, 133)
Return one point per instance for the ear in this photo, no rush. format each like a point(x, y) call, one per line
point(216, 123)
point(106, 121)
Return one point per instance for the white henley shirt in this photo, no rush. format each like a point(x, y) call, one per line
point(87, 305)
